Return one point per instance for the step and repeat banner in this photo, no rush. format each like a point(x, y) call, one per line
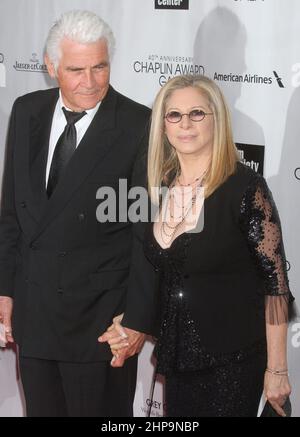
point(251, 48)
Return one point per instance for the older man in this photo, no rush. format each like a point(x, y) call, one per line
point(64, 275)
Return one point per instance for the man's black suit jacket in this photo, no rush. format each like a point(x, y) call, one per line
point(68, 274)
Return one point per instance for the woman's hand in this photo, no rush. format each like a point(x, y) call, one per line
point(115, 336)
point(276, 390)
point(123, 342)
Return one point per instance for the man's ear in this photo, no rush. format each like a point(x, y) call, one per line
point(50, 67)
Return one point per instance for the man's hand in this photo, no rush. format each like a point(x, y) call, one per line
point(6, 306)
point(124, 342)
point(135, 341)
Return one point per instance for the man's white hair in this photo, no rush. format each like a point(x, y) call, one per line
point(84, 27)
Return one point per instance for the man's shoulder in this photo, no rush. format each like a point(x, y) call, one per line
point(38, 97)
point(136, 108)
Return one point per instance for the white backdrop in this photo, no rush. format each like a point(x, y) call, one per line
point(250, 47)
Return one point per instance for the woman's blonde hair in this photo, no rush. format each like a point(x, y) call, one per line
point(163, 162)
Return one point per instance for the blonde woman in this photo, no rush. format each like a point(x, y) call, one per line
point(224, 295)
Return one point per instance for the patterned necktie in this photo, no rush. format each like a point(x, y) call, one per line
point(64, 149)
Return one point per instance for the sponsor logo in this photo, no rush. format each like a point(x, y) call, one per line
point(278, 79)
point(165, 66)
point(172, 4)
point(155, 408)
point(32, 66)
point(251, 79)
point(2, 72)
point(253, 156)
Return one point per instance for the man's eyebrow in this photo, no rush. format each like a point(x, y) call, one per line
point(74, 68)
point(71, 68)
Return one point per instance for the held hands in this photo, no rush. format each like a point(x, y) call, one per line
point(6, 306)
point(277, 389)
point(123, 342)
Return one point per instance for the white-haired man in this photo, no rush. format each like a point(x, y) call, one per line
point(64, 275)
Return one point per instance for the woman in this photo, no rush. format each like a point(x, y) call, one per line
point(224, 293)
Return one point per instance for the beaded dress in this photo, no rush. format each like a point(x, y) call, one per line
point(199, 382)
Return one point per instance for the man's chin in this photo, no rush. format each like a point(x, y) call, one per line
point(89, 101)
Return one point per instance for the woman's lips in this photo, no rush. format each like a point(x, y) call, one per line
point(186, 137)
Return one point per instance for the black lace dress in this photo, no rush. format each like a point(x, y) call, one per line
point(200, 383)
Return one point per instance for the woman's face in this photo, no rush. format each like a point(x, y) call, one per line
point(190, 137)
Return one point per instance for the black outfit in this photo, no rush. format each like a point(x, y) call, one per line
point(63, 389)
point(212, 338)
point(69, 274)
point(64, 149)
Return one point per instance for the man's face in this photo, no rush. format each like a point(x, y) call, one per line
point(83, 73)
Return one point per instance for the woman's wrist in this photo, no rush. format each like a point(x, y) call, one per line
point(278, 371)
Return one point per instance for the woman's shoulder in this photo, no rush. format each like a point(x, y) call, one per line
point(242, 178)
point(240, 182)
point(245, 175)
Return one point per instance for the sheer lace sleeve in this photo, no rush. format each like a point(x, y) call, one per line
point(260, 223)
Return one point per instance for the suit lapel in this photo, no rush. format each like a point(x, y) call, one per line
point(31, 165)
point(40, 128)
point(96, 143)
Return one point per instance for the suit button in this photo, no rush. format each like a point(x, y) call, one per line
point(62, 254)
point(186, 276)
point(60, 291)
point(81, 217)
point(23, 205)
point(33, 246)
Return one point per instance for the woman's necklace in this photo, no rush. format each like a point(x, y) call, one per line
point(193, 182)
point(167, 229)
point(173, 188)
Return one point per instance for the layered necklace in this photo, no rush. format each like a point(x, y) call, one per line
point(199, 178)
point(171, 222)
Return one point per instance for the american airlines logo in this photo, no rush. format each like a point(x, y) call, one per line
point(279, 80)
point(171, 4)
